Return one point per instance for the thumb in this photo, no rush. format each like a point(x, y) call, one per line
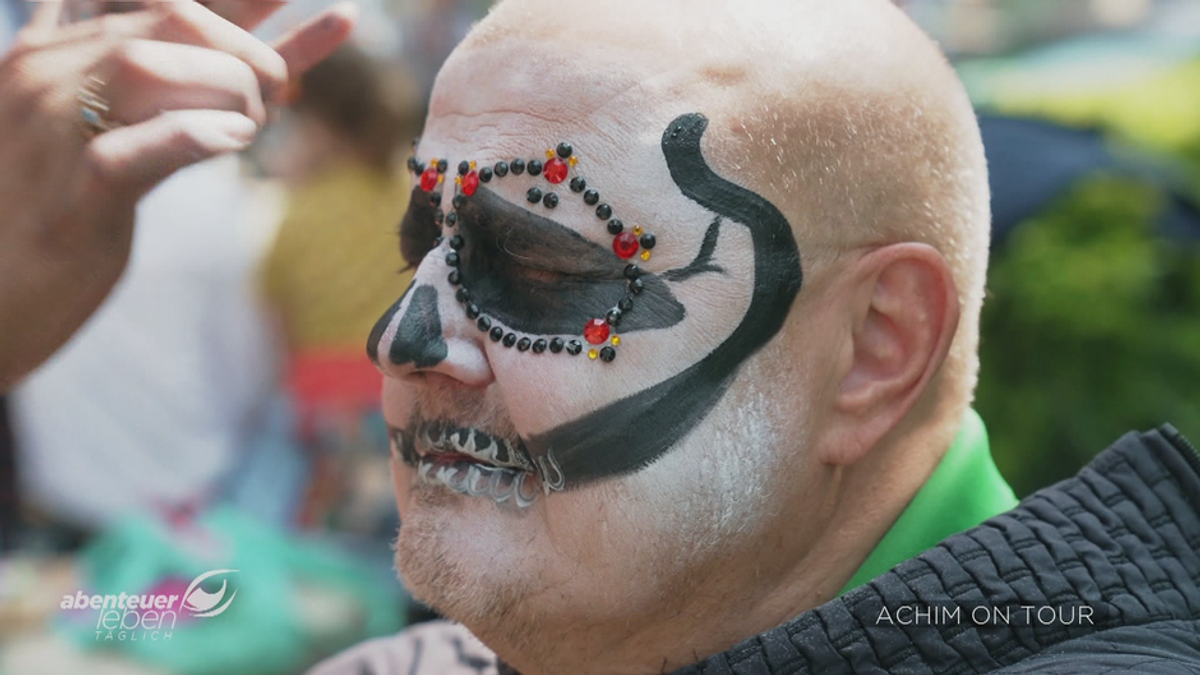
point(131, 160)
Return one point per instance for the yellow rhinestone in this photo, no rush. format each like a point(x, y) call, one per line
point(458, 180)
point(549, 154)
point(472, 165)
point(433, 162)
point(573, 161)
point(645, 255)
point(441, 178)
point(616, 340)
point(593, 354)
point(637, 230)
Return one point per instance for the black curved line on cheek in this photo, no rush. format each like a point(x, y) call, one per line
point(501, 237)
point(419, 336)
point(633, 432)
point(381, 325)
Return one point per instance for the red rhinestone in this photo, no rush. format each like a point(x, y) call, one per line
point(555, 170)
point(429, 179)
point(625, 245)
point(596, 331)
point(470, 183)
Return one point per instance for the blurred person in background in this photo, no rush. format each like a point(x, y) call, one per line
point(148, 406)
point(331, 271)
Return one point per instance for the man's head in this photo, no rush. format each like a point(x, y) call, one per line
point(793, 358)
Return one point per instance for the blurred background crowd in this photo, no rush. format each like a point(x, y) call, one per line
point(219, 411)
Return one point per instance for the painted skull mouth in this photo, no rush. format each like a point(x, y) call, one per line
point(470, 462)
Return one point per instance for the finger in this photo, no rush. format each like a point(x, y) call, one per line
point(247, 14)
point(129, 161)
point(147, 77)
point(46, 17)
point(312, 41)
point(190, 23)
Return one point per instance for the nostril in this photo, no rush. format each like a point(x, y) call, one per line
point(418, 338)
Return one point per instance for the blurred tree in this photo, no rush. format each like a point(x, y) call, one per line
point(1091, 328)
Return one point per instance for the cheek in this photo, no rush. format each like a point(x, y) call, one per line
point(402, 480)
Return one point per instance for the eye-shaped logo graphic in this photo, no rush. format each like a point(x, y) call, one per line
point(204, 604)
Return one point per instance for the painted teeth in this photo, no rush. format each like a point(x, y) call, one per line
point(443, 437)
point(474, 480)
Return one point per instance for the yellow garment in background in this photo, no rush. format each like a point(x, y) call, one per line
point(335, 265)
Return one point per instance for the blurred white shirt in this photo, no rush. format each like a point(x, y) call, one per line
point(150, 402)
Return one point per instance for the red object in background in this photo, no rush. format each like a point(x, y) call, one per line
point(323, 380)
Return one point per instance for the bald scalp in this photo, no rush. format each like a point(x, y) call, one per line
point(843, 114)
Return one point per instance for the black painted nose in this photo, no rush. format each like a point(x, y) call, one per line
point(418, 338)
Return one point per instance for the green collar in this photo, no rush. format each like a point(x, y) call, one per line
point(965, 490)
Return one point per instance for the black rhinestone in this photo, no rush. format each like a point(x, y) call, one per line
point(517, 166)
point(420, 168)
point(496, 334)
point(438, 242)
point(439, 217)
point(550, 200)
point(648, 241)
point(435, 198)
point(456, 242)
point(578, 184)
point(556, 345)
point(510, 339)
point(472, 310)
point(458, 201)
point(574, 347)
point(501, 169)
point(452, 219)
point(455, 277)
point(463, 167)
point(442, 165)
point(607, 354)
point(604, 212)
point(484, 323)
point(485, 174)
point(591, 197)
point(564, 150)
point(625, 304)
point(534, 167)
point(636, 286)
point(452, 259)
point(412, 164)
point(463, 295)
point(539, 346)
point(523, 344)
point(631, 271)
point(613, 317)
point(615, 226)
point(534, 195)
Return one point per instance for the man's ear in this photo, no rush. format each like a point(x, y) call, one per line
point(905, 318)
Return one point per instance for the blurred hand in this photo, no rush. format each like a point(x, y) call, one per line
point(183, 83)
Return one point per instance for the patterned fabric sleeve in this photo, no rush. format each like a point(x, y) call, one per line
point(434, 648)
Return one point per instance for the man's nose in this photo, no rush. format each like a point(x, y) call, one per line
point(427, 331)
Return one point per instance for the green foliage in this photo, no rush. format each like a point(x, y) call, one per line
point(1091, 329)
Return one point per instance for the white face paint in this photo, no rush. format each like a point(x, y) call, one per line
point(516, 571)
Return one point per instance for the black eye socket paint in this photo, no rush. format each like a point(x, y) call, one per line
point(542, 278)
point(419, 228)
point(632, 433)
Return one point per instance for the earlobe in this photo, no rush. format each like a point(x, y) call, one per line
point(902, 336)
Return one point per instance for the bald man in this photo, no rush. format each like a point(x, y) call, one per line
point(689, 355)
